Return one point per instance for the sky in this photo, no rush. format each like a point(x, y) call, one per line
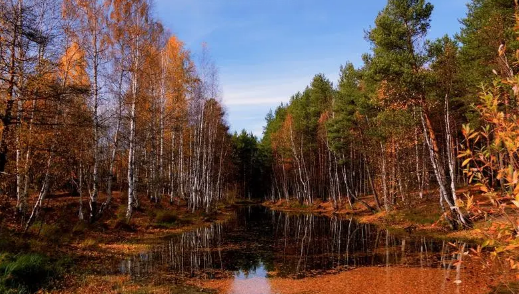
point(268, 50)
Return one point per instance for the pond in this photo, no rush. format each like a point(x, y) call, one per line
point(259, 247)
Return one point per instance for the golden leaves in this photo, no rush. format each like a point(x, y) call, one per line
point(73, 67)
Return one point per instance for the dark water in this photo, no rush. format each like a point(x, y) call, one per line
point(259, 242)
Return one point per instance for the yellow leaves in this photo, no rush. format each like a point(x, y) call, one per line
point(516, 192)
point(465, 153)
point(488, 242)
point(470, 202)
point(513, 264)
point(466, 161)
point(460, 203)
point(73, 67)
point(511, 247)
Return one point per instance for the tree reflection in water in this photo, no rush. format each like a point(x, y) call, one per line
point(259, 242)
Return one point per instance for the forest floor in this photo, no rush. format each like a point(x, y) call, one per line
point(89, 255)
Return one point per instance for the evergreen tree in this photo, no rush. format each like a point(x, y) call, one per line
point(488, 25)
point(398, 66)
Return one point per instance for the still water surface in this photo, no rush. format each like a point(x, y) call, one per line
point(259, 244)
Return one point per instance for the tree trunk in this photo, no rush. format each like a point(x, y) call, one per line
point(456, 216)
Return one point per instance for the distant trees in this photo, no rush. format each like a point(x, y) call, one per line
point(252, 169)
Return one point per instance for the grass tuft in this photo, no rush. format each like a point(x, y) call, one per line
point(26, 273)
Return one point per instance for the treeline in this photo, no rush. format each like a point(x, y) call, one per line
point(98, 95)
point(393, 127)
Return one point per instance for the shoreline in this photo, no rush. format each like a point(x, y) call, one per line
point(88, 254)
point(400, 220)
point(97, 248)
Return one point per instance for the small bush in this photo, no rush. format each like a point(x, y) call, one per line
point(26, 273)
point(166, 217)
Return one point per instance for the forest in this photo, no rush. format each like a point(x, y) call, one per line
point(113, 133)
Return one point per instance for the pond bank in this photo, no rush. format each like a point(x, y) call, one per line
point(423, 218)
point(241, 245)
point(84, 253)
point(264, 251)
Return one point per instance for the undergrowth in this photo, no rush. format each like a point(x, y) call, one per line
point(28, 273)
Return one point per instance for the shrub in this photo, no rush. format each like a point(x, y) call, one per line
point(26, 273)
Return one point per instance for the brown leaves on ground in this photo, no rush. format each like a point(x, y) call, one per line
point(364, 280)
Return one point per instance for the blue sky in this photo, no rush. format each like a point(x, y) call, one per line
point(267, 50)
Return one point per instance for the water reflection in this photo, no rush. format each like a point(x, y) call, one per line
point(258, 243)
point(251, 282)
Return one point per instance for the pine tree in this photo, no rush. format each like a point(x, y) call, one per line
point(397, 64)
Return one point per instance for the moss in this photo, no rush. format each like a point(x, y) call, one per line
point(421, 218)
point(298, 205)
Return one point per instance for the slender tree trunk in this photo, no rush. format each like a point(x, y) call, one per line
point(95, 177)
point(80, 190)
point(46, 181)
point(131, 151)
point(384, 178)
point(457, 217)
point(19, 200)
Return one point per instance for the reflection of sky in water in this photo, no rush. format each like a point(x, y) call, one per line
point(258, 241)
point(252, 282)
